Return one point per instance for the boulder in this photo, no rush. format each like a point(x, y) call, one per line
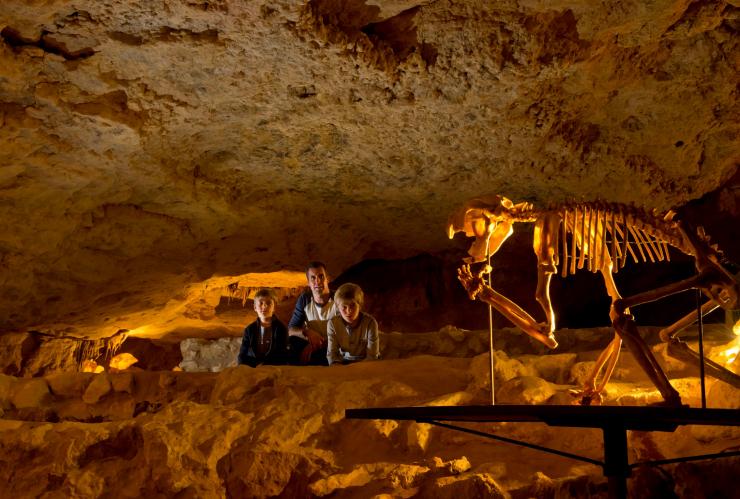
point(98, 388)
point(31, 393)
point(525, 390)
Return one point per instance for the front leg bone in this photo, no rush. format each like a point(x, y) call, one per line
point(477, 288)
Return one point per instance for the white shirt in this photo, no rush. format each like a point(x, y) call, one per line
point(318, 315)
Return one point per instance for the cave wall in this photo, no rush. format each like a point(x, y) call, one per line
point(150, 146)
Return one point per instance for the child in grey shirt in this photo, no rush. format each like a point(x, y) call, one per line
point(352, 335)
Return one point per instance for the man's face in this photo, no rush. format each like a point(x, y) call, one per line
point(264, 307)
point(349, 310)
point(318, 281)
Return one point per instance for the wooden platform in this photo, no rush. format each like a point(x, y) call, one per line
point(614, 421)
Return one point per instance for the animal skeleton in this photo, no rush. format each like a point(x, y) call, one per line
point(602, 237)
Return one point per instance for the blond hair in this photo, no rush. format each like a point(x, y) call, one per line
point(266, 293)
point(350, 292)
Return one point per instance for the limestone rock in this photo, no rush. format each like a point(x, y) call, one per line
point(505, 368)
point(465, 485)
point(32, 393)
point(584, 486)
point(525, 390)
point(6, 390)
point(418, 435)
point(98, 388)
point(122, 382)
point(455, 466)
point(406, 476)
point(580, 372)
point(68, 385)
point(676, 367)
point(721, 394)
point(448, 341)
point(122, 361)
point(457, 398)
point(355, 478)
point(554, 368)
point(204, 355)
point(275, 431)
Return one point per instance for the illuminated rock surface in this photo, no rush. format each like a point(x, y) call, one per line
point(149, 146)
point(269, 431)
point(281, 430)
point(161, 160)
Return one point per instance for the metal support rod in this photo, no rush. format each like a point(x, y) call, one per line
point(490, 352)
point(490, 328)
point(701, 349)
point(659, 462)
point(512, 441)
point(616, 462)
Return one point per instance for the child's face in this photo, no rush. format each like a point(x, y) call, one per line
point(349, 310)
point(264, 307)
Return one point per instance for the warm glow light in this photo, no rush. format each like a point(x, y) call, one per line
point(736, 328)
point(140, 331)
point(89, 366)
point(123, 361)
point(730, 353)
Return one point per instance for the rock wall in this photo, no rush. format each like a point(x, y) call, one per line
point(270, 431)
point(151, 146)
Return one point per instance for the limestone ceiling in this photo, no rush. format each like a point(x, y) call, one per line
point(148, 144)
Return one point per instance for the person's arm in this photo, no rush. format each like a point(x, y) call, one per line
point(244, 358)
point(373, 341)
point(279, 353)
point(297, 323)
point(332, 348)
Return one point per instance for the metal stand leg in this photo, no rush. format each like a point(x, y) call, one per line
point(616, 463)
point(701, 349)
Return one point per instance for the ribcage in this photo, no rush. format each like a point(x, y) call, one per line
point(592, 234)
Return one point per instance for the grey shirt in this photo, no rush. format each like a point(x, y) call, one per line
point(349, 344)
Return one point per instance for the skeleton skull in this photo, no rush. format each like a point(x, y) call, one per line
point(483, 217)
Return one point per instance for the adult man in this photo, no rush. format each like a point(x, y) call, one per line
point(314, 308)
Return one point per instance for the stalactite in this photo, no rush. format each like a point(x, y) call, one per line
point(94, 349)
point(232, 290)
point(573, 242)
point(582, 256)
point(564, 232)
point(615, 246)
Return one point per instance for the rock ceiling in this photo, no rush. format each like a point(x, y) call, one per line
point(147, 145)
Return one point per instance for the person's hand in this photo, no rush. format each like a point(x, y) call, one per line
point(306, 354)
point(314, 339)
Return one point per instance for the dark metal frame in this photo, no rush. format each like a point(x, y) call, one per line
point(614, 421)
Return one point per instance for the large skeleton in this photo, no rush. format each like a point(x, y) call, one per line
point(601, 237)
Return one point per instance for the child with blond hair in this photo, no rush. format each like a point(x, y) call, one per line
point(352, 335)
